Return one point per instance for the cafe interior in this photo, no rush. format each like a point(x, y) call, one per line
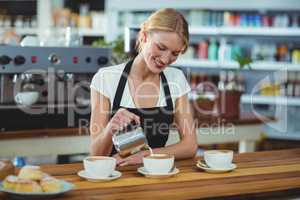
point(242, 65)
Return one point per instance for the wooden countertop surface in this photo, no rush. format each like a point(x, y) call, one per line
point(259, 173)
point(245, 119)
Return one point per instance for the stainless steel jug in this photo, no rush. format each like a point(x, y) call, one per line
point(130, 140)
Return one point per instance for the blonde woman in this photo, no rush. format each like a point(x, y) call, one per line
point(146, 90)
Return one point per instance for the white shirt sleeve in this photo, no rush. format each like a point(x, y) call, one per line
point(184, 84)
point(178, 83)
point(99, 83)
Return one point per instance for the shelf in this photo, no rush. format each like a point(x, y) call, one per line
point(259, 65)
point(26, 31)
point(196, 63)
point(286, 135)
point(272, 100)
point(81, 31)
point(84, 31)
point(259, 31)
point(21, 31)
point(258, 99)
point(91, 32)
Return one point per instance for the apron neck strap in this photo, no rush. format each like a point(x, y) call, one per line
point(121, 86)
point(167, 91)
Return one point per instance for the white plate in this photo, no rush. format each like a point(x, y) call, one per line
point(66, 186)
point(113, 176)
point(143, 171)
point(202, 165)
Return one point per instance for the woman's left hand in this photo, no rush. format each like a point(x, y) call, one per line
point(131, 160)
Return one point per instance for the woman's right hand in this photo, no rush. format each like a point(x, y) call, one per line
point(121, 119)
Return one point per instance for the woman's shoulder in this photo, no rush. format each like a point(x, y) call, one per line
point(103, 81)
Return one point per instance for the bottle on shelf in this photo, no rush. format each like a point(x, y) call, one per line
point(213, 50)
point(226, 18)
point(236, 51)
point(203, 50)
point(290, 84)
point(297, 85)
point(222, 80)
point(282, 53)
point(282, 84)
point(295, 21)
point(295, 56)
point(84, 17)
point(231, 81)
point(276, 88)
point(266, 88)
point(266, 21)
point(224, 53)
point(240, 83)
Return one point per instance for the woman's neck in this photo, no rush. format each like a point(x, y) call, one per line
point(140, 70)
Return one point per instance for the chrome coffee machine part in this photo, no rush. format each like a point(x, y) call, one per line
point(60, 75)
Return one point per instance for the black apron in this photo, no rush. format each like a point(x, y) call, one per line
point(155, 121)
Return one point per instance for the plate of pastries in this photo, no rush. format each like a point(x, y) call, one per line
point(32, 183)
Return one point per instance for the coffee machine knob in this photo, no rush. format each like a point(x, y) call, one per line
point(54, 59)
point(102, 60)
point(19, 60)
point(4, 60)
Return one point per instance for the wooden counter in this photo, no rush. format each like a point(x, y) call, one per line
point(258, 174)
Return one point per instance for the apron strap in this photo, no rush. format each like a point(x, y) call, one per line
point(167, 91)
point(121, 86)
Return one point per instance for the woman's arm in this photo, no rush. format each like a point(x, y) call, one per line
point(184, 120)
point(101, 127)
point(101, 139)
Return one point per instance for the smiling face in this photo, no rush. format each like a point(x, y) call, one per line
point(160, 49)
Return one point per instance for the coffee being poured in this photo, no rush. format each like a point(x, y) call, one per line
point(130, 140)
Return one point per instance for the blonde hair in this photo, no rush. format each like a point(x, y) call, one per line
point(167, 19)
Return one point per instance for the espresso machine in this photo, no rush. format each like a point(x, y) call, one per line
point(47, 87)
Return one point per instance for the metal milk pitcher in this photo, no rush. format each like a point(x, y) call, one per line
point(128, 142)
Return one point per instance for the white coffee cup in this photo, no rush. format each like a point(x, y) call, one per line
point(27, 98)
point(218, 159)
point(158, 163)
point(99, 166)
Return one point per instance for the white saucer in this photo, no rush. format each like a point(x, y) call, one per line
point(144, 172)
point(113, 176)
point(202, 165)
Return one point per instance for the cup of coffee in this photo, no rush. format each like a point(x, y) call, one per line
point(27, 98)
point(158, 163)
point(99, 166)
point(218, 159)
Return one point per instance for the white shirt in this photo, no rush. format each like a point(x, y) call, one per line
point(106, 82)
